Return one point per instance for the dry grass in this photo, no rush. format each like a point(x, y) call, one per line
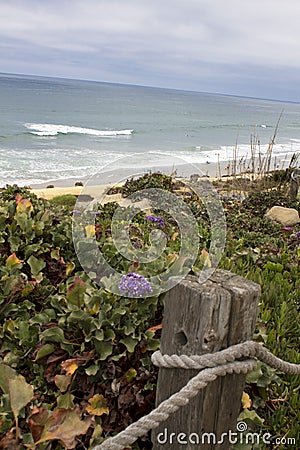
point(260, 172)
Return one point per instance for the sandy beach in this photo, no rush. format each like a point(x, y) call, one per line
point(97, 184)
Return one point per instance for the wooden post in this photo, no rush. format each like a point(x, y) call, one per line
point(294, 183)
point(198, 319)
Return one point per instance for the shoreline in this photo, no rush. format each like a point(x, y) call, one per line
point(112, 177)
point(96, 185)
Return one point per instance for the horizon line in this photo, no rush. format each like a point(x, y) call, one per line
point(24, 75)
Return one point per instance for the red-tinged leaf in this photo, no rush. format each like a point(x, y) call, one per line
point(13, 261)
point(64, 425)
point(157, 327)
point(75, 293)
point(37, 421)
point(23, 205)
point(18, 198)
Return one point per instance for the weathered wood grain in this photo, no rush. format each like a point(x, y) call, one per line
point(198, 319)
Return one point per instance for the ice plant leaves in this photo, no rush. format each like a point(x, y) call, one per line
point(36, 267)
point(75, 293)
point(63, 425)
point(70, 266)
point(97, 405)
point(44, 350)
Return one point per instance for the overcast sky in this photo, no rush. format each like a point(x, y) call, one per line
point(240, 47)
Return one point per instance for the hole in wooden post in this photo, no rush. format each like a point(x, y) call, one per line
point(209, 340)
point(180, 338)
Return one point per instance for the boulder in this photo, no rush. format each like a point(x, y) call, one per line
point(288, 217)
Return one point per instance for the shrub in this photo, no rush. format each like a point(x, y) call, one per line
point(68, 200)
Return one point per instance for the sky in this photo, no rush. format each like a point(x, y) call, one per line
point(236, 47)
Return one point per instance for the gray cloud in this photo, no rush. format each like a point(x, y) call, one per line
point(248, 47)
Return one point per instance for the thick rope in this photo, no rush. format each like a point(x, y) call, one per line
point(219, 363)
point(246, 349)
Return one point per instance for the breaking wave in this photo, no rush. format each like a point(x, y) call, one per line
point(47, 129)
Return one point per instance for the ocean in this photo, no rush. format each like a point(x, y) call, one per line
point(63, 130)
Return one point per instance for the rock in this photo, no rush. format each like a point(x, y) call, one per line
point(194, 177)
point(85, 198)
point(287, 217)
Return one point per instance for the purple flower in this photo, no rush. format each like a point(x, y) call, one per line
point(134, 285)
point(156, 219)
point(137, 243)
point(287, 229)
point(76, 211)
point(298, 235)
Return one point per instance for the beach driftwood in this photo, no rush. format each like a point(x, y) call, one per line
point(199, 319)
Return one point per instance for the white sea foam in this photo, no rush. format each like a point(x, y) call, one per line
point(246, 151)
point(47, 129)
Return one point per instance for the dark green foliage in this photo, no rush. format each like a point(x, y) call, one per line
point(150, 180)
point(68, 200)
point(259, 202)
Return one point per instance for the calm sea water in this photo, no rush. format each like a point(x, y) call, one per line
point(57, 129)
